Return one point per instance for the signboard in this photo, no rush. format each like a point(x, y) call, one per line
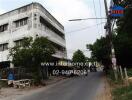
point(114, 61)
point(117, 11)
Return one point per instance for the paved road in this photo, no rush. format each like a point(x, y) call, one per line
point(79, 88)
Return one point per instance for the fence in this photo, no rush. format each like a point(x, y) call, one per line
point(19, 73)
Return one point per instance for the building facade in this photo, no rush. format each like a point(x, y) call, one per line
point(31, 20)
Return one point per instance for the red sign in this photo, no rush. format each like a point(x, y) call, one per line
point(117, 11)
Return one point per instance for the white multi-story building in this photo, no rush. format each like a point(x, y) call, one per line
point(30, 20)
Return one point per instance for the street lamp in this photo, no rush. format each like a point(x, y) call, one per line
point(85, 19)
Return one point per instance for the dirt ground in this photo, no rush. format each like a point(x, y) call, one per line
point(9, 93)
point(106, 94)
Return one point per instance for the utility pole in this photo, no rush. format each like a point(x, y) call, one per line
point(108, 28)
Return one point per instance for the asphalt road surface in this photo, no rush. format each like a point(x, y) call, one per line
point(77, 88)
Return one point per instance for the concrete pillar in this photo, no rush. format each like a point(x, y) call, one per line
point(11, 65)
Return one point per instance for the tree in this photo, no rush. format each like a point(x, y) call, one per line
point(123, 39)
point(21, 54)
point(30, 54)
point(79, 57)
point(100, 51)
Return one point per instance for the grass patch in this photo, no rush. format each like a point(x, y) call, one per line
point(112, 80)
point(122, 93)
point(3, 84)
point(119, 90)
point(129, 72)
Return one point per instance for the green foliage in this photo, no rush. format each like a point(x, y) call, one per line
point(21, 54)
point(3, 84)
point(111, 78)
point(100, 50)
point(123, 47)
point(119, 90)
point(122, 93)
point(123, 39)
point(30, 54)
point(110, 75)
point(78, 56)
point(43, 49)
point(129, 72)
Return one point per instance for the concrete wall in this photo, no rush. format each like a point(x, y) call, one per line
point(33, 28)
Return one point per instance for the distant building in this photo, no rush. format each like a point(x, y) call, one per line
point(30, 20)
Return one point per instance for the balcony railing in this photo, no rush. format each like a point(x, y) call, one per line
point(60, 54)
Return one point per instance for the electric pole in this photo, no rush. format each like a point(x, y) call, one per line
point(108, 28)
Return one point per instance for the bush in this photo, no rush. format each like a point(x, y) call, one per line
point(122, 93)
point(129, 72)
point(3, 84)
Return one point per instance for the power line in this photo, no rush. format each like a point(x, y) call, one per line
point(100, 5)
point(95, 15)
point(85, 28)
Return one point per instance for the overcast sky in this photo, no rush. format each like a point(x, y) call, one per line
point(78, 33)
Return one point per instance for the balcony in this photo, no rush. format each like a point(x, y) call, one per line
point(60, 54)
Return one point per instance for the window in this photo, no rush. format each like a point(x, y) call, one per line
point(3, 47)
point(18, 42)
point(51, 27)
point(21, 22)
point(25, 22)
point(3, 27)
